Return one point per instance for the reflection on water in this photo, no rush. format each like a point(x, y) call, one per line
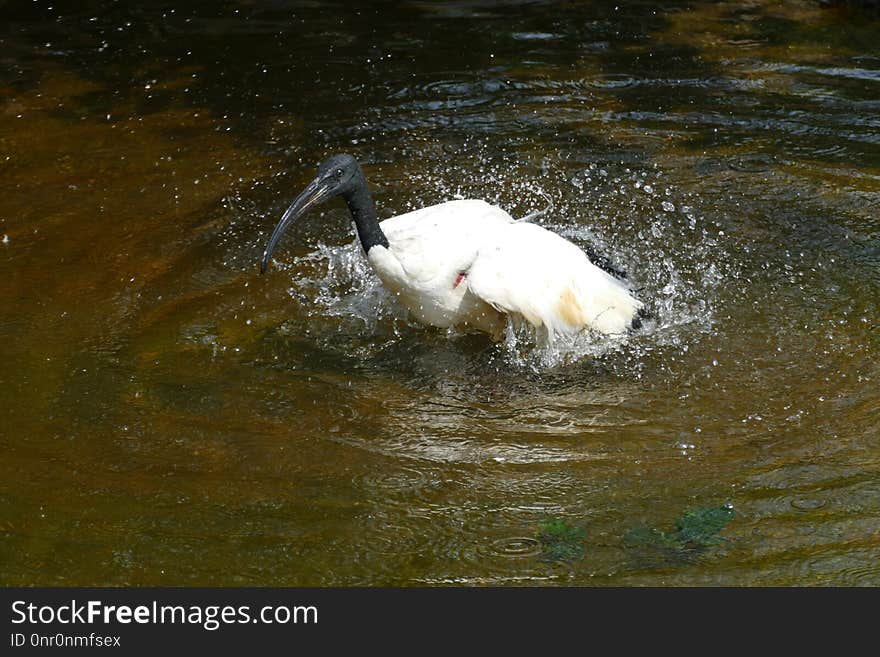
point(171, 417)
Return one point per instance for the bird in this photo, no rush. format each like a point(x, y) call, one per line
point(469, 264)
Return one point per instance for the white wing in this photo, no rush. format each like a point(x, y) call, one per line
point(428, 251)
point(526, 269)
point(441, 240)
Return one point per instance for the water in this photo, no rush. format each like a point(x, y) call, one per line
point(172, 417)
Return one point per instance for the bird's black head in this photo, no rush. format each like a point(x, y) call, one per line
point(338, 175)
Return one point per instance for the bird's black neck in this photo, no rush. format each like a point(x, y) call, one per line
point(360, 204)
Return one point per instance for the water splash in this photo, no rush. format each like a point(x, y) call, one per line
point(677, 260)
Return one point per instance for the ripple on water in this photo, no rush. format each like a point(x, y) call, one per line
point(807, 503)
point(456, 533)
point(752, 163)
point(399, 481)
point(862, 568)
point(456, 446)
point(396, 539)
point(612, 81)
point(515, 547)
point(392, 538)
point(534, 36)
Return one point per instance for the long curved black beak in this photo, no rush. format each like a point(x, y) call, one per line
point(317, 191)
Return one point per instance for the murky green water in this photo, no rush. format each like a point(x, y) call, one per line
point(171, 417)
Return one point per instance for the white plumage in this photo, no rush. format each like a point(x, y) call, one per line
point(470, 263)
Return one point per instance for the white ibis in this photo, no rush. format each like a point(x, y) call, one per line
point(470, 263)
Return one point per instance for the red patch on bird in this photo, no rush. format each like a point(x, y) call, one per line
point(458, 280)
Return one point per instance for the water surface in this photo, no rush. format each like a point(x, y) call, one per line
point(171, 417)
